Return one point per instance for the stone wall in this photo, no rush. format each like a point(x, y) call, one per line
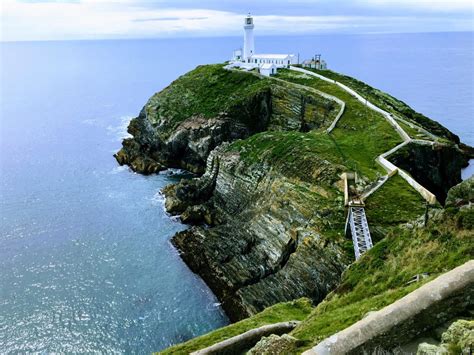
point(425, 308)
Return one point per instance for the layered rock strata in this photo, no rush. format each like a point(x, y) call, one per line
point(260, 243)
point(265, 229)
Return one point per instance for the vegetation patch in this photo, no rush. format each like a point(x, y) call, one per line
point(390, 104)
point(294, 154)
point(360, 135)
point(205, 91)
point(381, 276)
point(394, 203)
point(282, 312)
point(414, 132)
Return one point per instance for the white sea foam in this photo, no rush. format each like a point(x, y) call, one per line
point(174, 218)
point(120, 131)
point(172, 171)
point(159, 199)
point(118, 169)
point(213, 305)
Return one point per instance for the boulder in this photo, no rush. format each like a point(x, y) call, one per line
point(461, 194)
point(457, 339)
point(275, 345)
point(430, 349)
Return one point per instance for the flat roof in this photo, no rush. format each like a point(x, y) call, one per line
point(272, 56)
point(268, 66)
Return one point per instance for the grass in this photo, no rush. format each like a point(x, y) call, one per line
point(413, 132)
point(390, 104)
point(205, 91)
point(380, 277)
point(294, 310)
point(209, 91)
point(294, 154)
point(360, 135)
point(394, 203)
point(311, 163)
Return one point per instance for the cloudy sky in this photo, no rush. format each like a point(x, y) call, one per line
point(98, 19)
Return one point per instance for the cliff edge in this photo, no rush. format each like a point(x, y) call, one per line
point(267, 208)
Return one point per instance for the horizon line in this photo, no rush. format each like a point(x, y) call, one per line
point(233, 36)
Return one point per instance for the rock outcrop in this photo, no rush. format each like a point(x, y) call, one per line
point(264, 245)
point(275, 345)
point(457, 339)
point(437, 167)
point(181, 125)
point(267, 208)
point(461, 194)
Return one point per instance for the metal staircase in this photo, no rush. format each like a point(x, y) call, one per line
point(357, 226)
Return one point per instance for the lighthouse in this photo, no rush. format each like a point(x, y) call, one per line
point(246, 58)
point(249, 45)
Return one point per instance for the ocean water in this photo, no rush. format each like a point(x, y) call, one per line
point(85, 258)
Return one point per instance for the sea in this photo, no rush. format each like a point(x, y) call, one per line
point(86, 263)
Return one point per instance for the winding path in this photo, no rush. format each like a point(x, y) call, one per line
point(356, 222)
point(390, 168)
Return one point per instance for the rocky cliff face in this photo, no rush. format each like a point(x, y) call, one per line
point(181, 125)
point(263, 241)
point(437, 167)
point(267, 211)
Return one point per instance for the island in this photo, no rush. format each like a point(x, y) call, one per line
point(279, 162)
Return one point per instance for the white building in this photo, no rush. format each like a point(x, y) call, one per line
point(267, 69)
point(267, 64)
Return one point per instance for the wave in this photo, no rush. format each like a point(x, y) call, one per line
point(120, 131)
point(159, 199)
point(172, 171)
point(118, 169)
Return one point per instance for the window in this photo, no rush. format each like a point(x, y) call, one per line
point(249, 21)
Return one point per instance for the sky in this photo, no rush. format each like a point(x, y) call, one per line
point(31, 20)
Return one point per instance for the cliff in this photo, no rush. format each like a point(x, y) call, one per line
point(267, 208)
point(181, 125)
point(410, 256)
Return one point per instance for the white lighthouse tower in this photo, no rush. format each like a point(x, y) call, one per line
point(247, 59)
point(249, 45)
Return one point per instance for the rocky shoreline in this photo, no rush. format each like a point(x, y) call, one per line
point(263, 229)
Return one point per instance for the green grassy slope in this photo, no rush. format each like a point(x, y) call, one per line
point(380, 277)
point(394, 203)
point(390, 104)
point(205, 91)
point(295, 310)
point(360, 135)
